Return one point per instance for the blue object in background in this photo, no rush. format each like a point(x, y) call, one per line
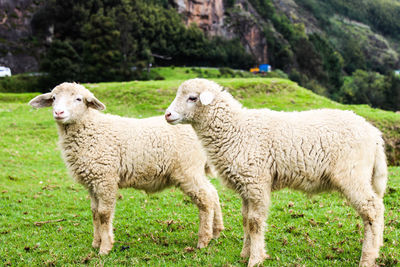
point(265, 68)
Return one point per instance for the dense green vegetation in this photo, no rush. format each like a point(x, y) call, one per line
point(22, 83)
point(160, 229)
point(101, 40)
point(341, 48)
point(365, 49)
point(381, 15)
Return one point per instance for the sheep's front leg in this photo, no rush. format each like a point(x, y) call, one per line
point(257, 214)
point(96, 222)
point(202, 193)
point(246, 237)
point(205, 227)
point(106, 203)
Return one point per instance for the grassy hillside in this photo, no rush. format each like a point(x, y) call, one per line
point(160, 229)
point(151, 98)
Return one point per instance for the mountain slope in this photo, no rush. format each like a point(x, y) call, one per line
point(320, 44)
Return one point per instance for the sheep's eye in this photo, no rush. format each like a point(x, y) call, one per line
point(79, 99)
point(192, 98)
point(53, 97)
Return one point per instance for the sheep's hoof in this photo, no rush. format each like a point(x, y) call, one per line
point(204, 239)
point(105, 251)
point(367, 263)
point(245, 252)
point(257, 260)
point(217, 232)
point(202, 244)
point(368, 259)
point(96, 244)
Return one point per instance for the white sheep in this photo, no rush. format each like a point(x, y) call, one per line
point(105, 152)
point(257, 151)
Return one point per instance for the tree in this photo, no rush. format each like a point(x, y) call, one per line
point(353, 55)
point(364, 88)
point(310, 62)
point(127, 44)
point(62, 62)
point(101, 54)
point(332, 62)
point(111, 37)
point(392, 92)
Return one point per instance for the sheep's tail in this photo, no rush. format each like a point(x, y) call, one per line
point(209, 169)
point(380, 172)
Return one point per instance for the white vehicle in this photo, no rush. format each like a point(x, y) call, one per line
point(4, 71)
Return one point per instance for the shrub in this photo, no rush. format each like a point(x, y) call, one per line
point(24, 83)
point(277, 74)
point(227, 72)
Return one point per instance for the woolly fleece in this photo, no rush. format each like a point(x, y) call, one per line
point(257, 151)
point(105, 152)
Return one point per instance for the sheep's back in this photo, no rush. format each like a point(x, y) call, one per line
point(309, 150)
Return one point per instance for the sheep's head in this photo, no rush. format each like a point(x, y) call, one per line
point(191, 98)
point(70, 101)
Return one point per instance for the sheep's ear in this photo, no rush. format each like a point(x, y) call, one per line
point(206, 98)
point(42, 101)
point(93, 102)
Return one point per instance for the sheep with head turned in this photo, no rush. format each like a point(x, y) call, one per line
point(257, 151)
point(105, 152)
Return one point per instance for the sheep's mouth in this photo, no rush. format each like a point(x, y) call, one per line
point(59, 118)
point(173, 121)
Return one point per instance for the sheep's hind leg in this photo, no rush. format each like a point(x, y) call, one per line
point(218, 223)
point(246, 236)
point(371, 209)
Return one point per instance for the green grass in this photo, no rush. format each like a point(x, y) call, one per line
point(161, 229)
point(184, 73)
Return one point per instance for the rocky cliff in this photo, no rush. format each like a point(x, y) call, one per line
point(207, 14)
point(16, 47)
point(241, 21)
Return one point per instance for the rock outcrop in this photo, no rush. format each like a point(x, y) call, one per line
point(207, 14)
point(16, 49)
point(246, 23)
point(215, 20)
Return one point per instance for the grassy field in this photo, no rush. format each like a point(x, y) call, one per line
point(161, 229)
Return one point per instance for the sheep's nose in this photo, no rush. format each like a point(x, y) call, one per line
point(58, 113)
point(167, 115)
